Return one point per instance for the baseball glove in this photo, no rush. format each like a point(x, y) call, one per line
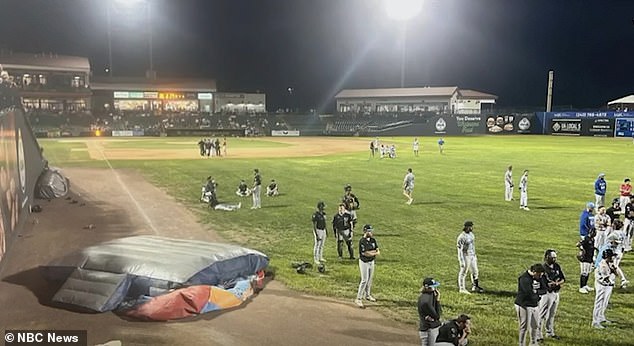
point(580, 255)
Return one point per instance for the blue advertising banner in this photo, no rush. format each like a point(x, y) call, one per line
point(624, 127)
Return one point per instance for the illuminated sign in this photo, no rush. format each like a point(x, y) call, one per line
point(121, 94)
point(150, 95)
point(171, 96)
point(205, 96)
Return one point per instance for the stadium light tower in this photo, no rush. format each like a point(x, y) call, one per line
point(130, 4)
point(403, 11)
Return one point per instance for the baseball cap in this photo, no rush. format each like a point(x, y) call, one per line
point(368, 228)
point(468, 223)
point(431, 283)
point(590, 205)
point(601, 175)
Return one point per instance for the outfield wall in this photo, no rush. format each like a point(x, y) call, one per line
point(21, 164)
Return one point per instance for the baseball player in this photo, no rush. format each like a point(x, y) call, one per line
point(271, 189)
point(243, 189)
point(600, 187)
point(441, 145)
point(429, 310)
point(585, 257)
point(527, 301)
point(454, 332)
point(604, 283)
point(586, 220)
point(351, 202)
point(524, 191)
point(601, 224)
point(628, 224)
point(368, 250)
point(625, 191)
point(552, 280)
point(343, 228)
point(408, 186)
point(508, 184)
point(614, 242)
point(467, 259)
point(416, 146)
point(257, 185)
point(319, 231)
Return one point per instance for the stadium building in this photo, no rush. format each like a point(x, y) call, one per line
point(414, 100)
point(49, 82)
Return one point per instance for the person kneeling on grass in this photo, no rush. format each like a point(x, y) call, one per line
point(243, 189)
point(454, 332)
point(271, 190)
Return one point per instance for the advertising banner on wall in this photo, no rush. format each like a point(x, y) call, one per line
point(284, 133)
point(565, 126)
point(512, 124)
point(624, 127)
point(597, 127)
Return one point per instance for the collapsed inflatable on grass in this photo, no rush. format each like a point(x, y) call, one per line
point(157, 278)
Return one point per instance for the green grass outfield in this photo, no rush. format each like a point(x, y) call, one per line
point(418, 240)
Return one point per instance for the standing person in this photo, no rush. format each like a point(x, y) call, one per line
point(625, 191)
point(454, 332)
point(372, 148)
point(614, 242)
point(628, 224)
point(604, 283)
point(600, 187)
point(441, 145)
point(467, 259)
point(224, 146)
point(614, 211)
point(217, 146)
point(524, 191)
point(526, 302)
point(408, 186)
point(601, 224)
point(255, 190)
point(586, 220)
point(585, 257)
point(319, 232)
point(415, 146)
point(201, 147)
point(552, 280)
point(508, 184)
point(343, 228)
point(208, 147)
point(429, 310)
point(368, 250)
point(351, 202)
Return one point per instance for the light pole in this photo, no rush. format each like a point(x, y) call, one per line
point(109, 69)
point(402, 11)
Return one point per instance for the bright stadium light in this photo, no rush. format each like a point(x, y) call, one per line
point(403, 10)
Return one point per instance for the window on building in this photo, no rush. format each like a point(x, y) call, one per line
point(42, 79)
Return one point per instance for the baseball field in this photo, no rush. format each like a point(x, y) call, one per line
point(416, 241)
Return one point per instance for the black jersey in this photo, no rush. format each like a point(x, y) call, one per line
point(341, 222)
point(552, 274)
point(319, 220)
point(629, 211)
point(449, 332)
point(243, 187)
point(613, 213)
point(257, 179)
point(587, 246)
point(526, 294)
point(367, 244)
point(351, 201)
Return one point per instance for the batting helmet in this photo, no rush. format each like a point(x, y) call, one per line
point(368, 228)
point(608, 253)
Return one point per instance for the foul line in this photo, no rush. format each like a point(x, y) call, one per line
point(125, 188)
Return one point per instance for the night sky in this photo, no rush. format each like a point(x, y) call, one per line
point(318, 47)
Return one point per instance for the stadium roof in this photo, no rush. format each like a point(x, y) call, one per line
point(623, 100)
point(397, 92)
point(161, 84)
point(46, 62)
point(467, 93)
point(413, 92)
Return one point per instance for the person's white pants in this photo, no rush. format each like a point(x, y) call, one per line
point(508, 191)
point(470, 264)
point(256, 196)
point(367, 273)
point(601, 299)
point(527, 318)
point(428, 337)
point(548, 304)
point(318, 249)
point(599, 200)
point(523, 199)
point(599, 239)
point(628, 226)
point(623, 201)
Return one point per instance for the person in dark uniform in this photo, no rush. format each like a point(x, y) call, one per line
point(585, 257)
point(343, 228)
point(527, 301)
point(368, 250)
point(372, 148)
point(552, 280)
point(614, 211)
point(319, 232)
point(210, 191)
point(201, 147)
point(454, 332)
point(271, 189)
point(429, 311)
point(351, 202)
point(217, 147)
point(243, 189)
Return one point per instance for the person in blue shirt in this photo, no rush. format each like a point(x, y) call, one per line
point(586, 221)
point(600, 186)
point(441, 145)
